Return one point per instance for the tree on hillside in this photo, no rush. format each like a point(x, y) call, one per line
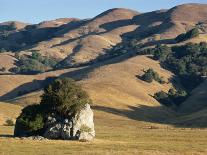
point(161, 52)
point(188, 35)
point(151, 75)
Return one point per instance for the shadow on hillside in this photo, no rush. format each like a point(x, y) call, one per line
point(107, 26)
point(116, 24)
point(84, 72)
point(150, 24)
point(6, 136)
point(33, 35)
point(78, 74)
point(161, 115)
point(158, 42)
point(26, 88)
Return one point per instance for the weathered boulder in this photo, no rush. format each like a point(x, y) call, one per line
point(81, 127)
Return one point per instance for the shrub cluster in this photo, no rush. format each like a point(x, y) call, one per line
point(188, 35)
point(62, 98)
point(9, 122)
point(188, 62)
point(151, 75)
point(171, 98)
point(33, 64)
point(9, 27)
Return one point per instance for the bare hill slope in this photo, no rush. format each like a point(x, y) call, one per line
point(8, 111)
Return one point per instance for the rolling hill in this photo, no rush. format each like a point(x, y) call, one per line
point(112, 83)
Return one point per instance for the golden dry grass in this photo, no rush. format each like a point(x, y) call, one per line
point(117, 84)
point(115, 135)
point(8, 111)
point(112, 84)
point(7, 60)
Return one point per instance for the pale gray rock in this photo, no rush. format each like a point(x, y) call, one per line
point(83, 125)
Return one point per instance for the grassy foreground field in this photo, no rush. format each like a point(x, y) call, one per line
point(115, 135)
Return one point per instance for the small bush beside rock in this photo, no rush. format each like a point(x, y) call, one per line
point(9, 122)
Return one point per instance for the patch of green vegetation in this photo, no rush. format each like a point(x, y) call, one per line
point(9, 122)
point(63, 97)
point(189, 64)
point(36, 63)
point(188, 35)
point(161, 52)
point(9, 27)
point(151, 75)
point(30, 120)
point(172, 98)
point(31, 27)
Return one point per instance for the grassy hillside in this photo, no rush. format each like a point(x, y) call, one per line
point(107, 83)
point(8, 111)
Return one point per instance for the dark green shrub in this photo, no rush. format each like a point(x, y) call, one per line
point(64, 97)
point(161, 52)
point(9, 122)
point(192, 33)
point(173, 97)
point(148, 76)
point(14, 69)
point(31, 27)
point(151, 75)
point(31, 120)
point(163, 98)
point(188, 35)
point(9, 27)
